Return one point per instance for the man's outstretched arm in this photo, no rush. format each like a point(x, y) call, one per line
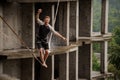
point(57, 33)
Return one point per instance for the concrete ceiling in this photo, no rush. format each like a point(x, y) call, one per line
point(31, 1)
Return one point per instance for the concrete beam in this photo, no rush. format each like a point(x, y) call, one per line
point(104, 17)
point(31, 1)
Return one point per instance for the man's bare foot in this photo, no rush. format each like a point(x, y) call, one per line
point(44, 65)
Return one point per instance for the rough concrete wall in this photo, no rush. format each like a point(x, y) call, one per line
point(62, 67)
point(1, 67)
point(27, 23)
point(11, 13)
point(72, 65)
point(42, 73)
point(26, 69)
point(72, 21)
point(1, 28)
point(85, 18)
point(85, 67)
point(12, 68)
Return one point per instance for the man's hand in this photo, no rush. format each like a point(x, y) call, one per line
point(64, 39)
point(39, 11)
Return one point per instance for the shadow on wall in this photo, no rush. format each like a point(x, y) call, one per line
point(6, 77)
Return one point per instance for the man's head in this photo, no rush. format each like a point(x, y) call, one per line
point(47, 19)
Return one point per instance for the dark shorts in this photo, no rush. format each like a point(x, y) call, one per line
point(42, 44)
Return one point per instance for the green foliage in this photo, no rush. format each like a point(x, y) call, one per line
point(96, 63)
point(96, 15)
point(112, 68)
point(114, 49)
point(113, 18)
point(96, 47)
point(114, 14)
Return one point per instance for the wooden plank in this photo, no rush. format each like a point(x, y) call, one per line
point(24, 53)
point(29, 1)
point(97, 75)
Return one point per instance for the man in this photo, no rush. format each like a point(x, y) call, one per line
point(44, 29)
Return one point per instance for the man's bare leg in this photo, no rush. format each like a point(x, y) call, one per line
point(46, 56)
point(41, 55)
point(41, 51)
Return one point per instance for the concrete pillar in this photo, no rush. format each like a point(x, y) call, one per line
point(85, 61)
point(33, 26)
point(33, 69)
point(85, 18)
point(104, 17)
point(77, 20)
point(85, 30)
point(104, 54)
point(1, 28)
point(53, 23)
point(77, 62)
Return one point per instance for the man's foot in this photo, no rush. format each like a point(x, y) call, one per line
point(44, 65)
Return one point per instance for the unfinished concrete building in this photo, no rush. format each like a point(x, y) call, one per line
point(67, 61)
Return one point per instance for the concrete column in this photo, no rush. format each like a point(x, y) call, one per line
point(77, 61)
point(33, 69)
point(85, 61)
point(33, 25)
point(104, 17)
point(85, 18)
point(77, 20)
point(104, 52)
point(85, 30)
point(1, 28)
point(68, 40)
point(53, 23)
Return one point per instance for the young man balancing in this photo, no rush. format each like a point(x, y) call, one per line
point(42, 43)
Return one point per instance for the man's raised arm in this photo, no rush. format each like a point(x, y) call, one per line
point(40, 22)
